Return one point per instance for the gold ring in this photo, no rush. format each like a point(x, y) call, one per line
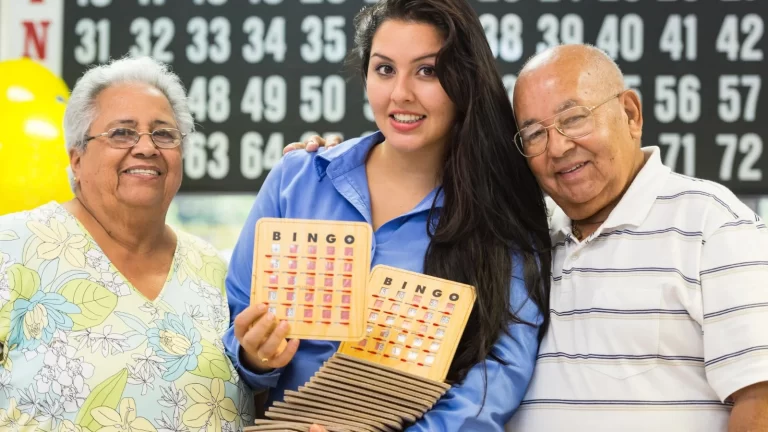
point(265, 359)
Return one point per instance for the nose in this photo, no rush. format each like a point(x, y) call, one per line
point(402, 90)
point(145, 147)
point(559, 145)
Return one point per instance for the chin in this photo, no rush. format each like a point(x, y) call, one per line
point(579, 199)
point(406, 143)
point(574, 195)
point(140, 200)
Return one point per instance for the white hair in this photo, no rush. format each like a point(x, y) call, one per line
point(81, 107)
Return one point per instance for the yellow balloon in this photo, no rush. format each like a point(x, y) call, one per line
point(33, 158)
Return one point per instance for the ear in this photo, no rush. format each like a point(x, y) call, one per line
point(634, 112)
point(75, 157)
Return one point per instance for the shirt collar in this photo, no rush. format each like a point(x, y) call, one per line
point(345, 157)
point(636, 203)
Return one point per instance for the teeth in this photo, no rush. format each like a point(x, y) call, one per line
point(407, 118)
point(143, 172)
point(574, 168)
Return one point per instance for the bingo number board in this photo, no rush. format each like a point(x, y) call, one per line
point(264, 73)
point(313, 275)
point(413, 322)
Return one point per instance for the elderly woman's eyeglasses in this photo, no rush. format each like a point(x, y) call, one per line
point(576, 122)
point(124, 138)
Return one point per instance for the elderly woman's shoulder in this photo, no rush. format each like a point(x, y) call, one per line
point(197, 245)
point(9, 219)
point(43, 213)
point(202, 258)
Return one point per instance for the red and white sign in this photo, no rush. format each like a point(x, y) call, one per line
point(34, 29)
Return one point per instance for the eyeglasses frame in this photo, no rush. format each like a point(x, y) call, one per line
point(554, 124)
point(138, 137)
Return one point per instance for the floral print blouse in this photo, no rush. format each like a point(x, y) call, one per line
point(82, 350)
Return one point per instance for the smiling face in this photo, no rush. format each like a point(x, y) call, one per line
point(409, 105)
point(140, 176)
point(587, 174)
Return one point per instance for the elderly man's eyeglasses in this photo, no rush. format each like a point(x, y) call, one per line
point(124, 138)
point(576, 122)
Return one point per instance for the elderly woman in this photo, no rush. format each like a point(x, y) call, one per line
point(109, 318)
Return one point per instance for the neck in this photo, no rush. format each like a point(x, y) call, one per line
point(422, 167)
point(134, 230)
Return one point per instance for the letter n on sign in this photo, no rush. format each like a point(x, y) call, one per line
point(34, 29)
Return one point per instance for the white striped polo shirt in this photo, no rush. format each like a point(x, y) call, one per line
point(656, 318)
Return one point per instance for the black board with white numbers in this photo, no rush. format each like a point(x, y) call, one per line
point(264, 73)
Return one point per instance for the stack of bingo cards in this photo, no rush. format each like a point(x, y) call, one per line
point(313, 275)
point(395, 373)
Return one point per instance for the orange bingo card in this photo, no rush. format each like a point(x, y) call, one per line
point(313, 274)
point(413, 322)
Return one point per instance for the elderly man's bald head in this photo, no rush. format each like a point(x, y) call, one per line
point(581, 129)
point(595, 65)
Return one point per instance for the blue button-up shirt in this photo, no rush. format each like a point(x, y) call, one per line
point(332, 185)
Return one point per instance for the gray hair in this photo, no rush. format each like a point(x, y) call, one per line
point(81, 107)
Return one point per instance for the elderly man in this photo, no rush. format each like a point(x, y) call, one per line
point(659, 305)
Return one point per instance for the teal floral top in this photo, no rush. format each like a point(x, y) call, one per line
point(82, 350)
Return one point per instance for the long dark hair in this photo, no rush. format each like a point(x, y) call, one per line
point(492, 203)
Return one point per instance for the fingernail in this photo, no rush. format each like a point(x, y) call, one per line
point(261, 308)
point(283, 325)
point(311, 142)
point(270, 317)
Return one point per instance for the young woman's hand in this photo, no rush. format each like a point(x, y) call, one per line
point(262, 339)
point(313, 143)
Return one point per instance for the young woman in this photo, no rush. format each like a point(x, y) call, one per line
point(446, 194)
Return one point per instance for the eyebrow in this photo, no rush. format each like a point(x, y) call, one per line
point(417, 59)
point(159, 122)
point(122, 122)
point(570, 103)
point(129, 122)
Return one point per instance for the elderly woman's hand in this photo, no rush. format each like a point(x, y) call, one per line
point(263, 339)
point(313, 143)
point(317, 428)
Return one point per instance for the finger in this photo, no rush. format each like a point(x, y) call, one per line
point(286, 355)
point(246, 318)
point(258, 333)
point(317, 428)
point(317, 139)
point(312, 146)
point(333, 141)
point(294, 146)
point(270, 347)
